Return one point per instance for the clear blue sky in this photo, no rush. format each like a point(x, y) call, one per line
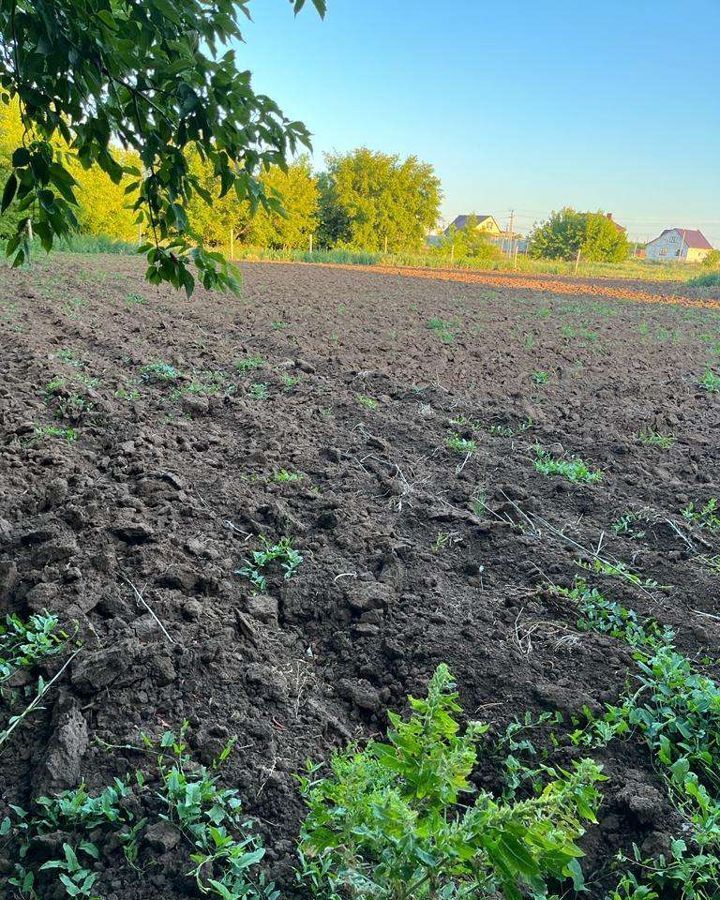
point(524, 105)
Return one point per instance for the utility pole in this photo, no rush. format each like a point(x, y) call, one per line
point(311, 237)
point(509, 247)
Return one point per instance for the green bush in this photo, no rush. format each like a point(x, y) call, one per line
point(388, 822)
point(707, 279)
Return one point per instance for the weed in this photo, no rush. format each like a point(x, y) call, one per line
point(710, 381)
point(69, 358)
point(135, 300)
point(224, 847)
point(211, 820)
point(388, 821)
point(654, 438)
point(574, 469)
point(77, 879)
point(73, 407)
point(444, 330)
point(445, 539)
point(498, 430)
point(25, 643)
point(248, 363)
point(514, 747)
point(130, 395)
point(260, 390)
point(459, 444)
point(160, 372)
point(206, 384)
point(283, 476)
point(540, 377)
point(282, 552)
point(73, 308)
point(279, 326)
point(367, 402)
point(712, 563)
point(290, 382)
point(676, 710)
point(68, 434)
point(705, 517)
point(586, 335)
point(625, 525)
point(56, 386)
point(617, 570)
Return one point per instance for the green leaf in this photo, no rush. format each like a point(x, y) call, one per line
point(9, 192)
point(167, 8)
point(20, 157)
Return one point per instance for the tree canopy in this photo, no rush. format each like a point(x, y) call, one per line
point(595, 235)
point(95, 79)
point(289, 228)
point(374, 200)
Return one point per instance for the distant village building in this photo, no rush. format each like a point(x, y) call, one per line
point(483, 223)
point(679, 244)
point(496, 235)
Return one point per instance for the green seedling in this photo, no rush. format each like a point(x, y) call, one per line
point(26, 642)
point(625, 526)
point(160, 372)
point(617, 570)
point(574, 469)
point(367, 402)
point(444, 330)
point(710, 381)
point(283, 476)
point(290, 382)
point(458, 444)
point(130, 395)
point(653, 438)
point(67, 434)
point(540, 377)
point(248, 363)
point(69, 358)
point(704, 517)
point(55, 386)
point(676, 710)
point(260, 390)
point(282, 552)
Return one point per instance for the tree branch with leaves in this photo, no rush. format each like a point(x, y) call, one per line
point(97, 78)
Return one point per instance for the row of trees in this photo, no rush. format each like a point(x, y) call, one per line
point(364, 199)
point(103, 205)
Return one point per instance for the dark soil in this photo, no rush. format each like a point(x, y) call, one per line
point(412, 554)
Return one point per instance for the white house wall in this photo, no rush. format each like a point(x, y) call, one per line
point(666, 247)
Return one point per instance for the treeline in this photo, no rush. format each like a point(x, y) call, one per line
point(363, 200)
point(103, 205)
